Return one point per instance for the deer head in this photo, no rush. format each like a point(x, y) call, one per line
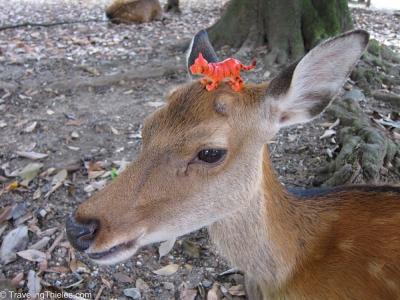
point(202, 155)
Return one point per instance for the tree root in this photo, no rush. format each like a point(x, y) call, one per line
point(115, 78)
point(10, 26)
point(366, 152)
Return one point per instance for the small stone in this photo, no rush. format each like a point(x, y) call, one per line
point(42, 213)
point(132, 293)
point(317, 160)
point(356, 95)
point(18, 211)
point(141, 285)
point(168, 286)
point(75, 135)
point(206, 283)
point(129, 264)
point(139, 264)
point(267, 74)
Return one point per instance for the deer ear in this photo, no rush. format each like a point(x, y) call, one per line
point(305, 89)
point(201, 44)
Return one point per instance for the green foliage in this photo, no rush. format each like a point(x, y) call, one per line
point(114, 173)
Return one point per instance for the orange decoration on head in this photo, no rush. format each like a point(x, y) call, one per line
point(229, 68)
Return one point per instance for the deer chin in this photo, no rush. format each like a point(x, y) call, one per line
point(116, 254)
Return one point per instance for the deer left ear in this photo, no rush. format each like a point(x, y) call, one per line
point(302, 91)
point(201, 44)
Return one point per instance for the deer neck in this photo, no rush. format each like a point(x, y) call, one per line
point(263, 239)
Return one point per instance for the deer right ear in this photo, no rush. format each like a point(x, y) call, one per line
point(200, 44)
point(304, 90)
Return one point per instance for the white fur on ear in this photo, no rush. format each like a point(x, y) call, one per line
point(200, 44)
point(319, 76)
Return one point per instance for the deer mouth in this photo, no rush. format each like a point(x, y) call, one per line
point(115, 254)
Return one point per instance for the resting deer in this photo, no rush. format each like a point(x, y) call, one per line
point(204, 163)
point(137, 11)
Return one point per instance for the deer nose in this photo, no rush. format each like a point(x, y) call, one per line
point(81, 236)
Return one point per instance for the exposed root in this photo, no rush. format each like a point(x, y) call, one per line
point(366, 152)
point(111, 79)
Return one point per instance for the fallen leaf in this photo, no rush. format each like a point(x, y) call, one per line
point(21, 122)
point(3, 227)
point(41, 243)
point(25, 217)
point(122, 277)
point(34, 286)
point(32, 255)
point(11, 186)
point(94, 166)
point(327, 134)
point(74, 284)
point(37, 194)
point(15, 241)
point(108, 283)
point(6, 95)
point(166, 247)
point(77, 266)
point(122, 167)
point(56, 269)
point(190, 249)
point(115, 131)
point(32, 155)
point(75, 123)
point(30, 171)
point(141, 285)
point(18, 210)
point(168, 270)
point(230, 271)
point(31, 127)
point(237, 290)
point(215, 293)
point(59, 177)
point(6, 213)
point(155, 104)
point(186, 294)
point(17, 279)
point(95, 174)
point(48, 232)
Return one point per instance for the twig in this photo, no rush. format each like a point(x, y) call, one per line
point(54, 245)
point(100, 292)
point(49, 24)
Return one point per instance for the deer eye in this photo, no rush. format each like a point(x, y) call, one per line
point(211, 156)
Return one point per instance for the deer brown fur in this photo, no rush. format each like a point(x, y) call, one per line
point(137, 11)
point(340, 243)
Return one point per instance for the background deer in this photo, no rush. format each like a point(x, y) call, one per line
point(204, 163)
point(137, 11)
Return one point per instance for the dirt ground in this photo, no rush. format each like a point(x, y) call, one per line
point(79, 93)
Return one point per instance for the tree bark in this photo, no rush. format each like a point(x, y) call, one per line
point(172, 6)
point(288, 27)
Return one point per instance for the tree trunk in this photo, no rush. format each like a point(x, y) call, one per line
point(172, 6)
point(289, 27)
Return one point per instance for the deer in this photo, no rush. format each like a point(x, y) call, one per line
point(204, 162)
point(136, 11)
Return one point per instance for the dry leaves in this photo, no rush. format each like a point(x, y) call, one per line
point(15, 241)
point(167, 270)
point(166, 247)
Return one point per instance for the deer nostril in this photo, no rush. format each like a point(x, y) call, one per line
point(81, 236)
